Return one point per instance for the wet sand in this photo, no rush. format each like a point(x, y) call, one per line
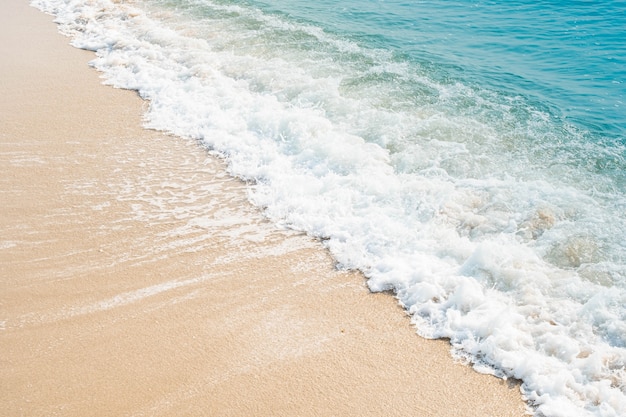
point(136, 279)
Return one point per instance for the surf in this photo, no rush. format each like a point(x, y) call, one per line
point(496, 220)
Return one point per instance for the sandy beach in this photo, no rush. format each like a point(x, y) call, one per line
point(136, 279)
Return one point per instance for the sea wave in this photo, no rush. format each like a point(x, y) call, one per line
point(497, 225)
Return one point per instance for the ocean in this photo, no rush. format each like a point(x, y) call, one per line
point(467, 155)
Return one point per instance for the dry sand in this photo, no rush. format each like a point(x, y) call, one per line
point(135, 279)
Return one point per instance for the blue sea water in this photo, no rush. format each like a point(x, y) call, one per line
point(569, 56)
point(469, 155)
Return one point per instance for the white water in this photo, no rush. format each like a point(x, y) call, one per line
point(498, 243)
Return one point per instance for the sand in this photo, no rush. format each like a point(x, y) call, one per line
point(136, 279)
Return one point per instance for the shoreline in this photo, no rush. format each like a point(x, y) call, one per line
point(136, 278)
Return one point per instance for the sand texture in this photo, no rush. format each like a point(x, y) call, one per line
point(136, 279)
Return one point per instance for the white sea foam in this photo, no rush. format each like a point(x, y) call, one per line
point(489, 238)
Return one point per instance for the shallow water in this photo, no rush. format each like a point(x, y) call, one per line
point(469, 156)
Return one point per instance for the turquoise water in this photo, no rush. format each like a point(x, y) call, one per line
point(567, 56)
point(469, 156)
